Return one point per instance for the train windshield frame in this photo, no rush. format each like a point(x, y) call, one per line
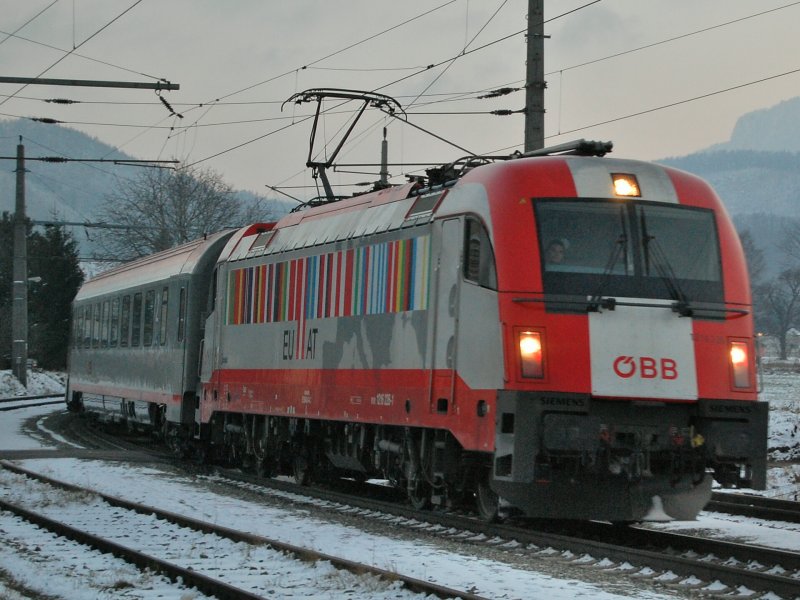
point(629, 248)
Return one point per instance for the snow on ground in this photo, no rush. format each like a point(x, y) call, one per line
point(284, 521)
point(39, 382)
point(297, 525)
point(422, 558)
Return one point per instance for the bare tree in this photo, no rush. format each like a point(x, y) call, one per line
point(779, 303)
point(163, 208)
point(754, 256)
point(791, 240)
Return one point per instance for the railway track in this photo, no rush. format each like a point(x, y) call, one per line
point(683, 562)
point(680, 561)
point(15, 403)
point(771, 509)
point(147, 551)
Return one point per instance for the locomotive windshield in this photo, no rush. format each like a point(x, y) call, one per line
point(629, 249)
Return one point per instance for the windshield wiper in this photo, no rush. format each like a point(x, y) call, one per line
point(663, 268)
point(596, 300)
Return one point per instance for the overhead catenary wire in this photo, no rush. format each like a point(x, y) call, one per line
point(507, 89)
point(330, 55)
point(68, 53)
point(684, 101)
point(455, 58)
point(672, 39)
point(26, 23)
point(210, 103)
point(663, 107)
point(517, 33)
point(82, 56)
point(305, 66)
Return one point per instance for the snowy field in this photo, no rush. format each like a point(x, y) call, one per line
point(297, 524)
point(781, 388)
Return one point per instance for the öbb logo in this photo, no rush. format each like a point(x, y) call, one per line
point(646, 367)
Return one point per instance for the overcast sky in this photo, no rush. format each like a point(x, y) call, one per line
point(252, 55)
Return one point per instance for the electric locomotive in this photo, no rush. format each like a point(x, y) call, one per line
point(564, 335)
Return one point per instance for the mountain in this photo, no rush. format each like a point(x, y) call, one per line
point(74, 191)
point(757, 175)
point(748, 181)
point(57, 191)
point(774, 129)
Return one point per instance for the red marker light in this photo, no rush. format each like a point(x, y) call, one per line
point(739, 364)
point(530, 353)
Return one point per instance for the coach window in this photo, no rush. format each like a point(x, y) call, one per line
point(73, 334)
point(149, 315)
point(114, 333)
point(182, 314)
point(77, 327)
point(87, 326)
point(125, 322)
point(162, 332)
point(78, 331)
point(104, 325)
point(136, 325)
point(96, 326)
point(479, 264)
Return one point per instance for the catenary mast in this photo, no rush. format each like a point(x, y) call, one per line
point(534, 81)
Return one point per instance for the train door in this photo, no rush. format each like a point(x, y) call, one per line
point(445, 310)
point(209, 347)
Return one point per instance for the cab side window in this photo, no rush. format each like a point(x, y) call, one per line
point(479, 265)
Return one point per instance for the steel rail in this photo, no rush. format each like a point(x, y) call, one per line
point(772, 509)
point(623, 552)
point(304, 554)
point(18, 406)
point(37, 397)
point(581, 544)
point(175, 573)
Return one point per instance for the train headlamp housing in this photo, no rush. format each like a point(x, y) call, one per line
point(740, 364)
point(626, 185)
point(531, 354)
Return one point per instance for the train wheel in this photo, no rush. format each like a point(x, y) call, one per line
point(487, 501)
point(199, 454)
point(301, 470)
point(264, 468)
point(419, 494)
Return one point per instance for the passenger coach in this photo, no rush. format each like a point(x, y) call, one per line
point(136, 336)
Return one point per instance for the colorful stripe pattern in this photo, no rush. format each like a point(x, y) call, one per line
point(381, 278)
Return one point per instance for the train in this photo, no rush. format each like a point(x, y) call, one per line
point(557, 335)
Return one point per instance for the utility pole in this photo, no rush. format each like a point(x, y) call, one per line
point(19, 289)
point(534, 80)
